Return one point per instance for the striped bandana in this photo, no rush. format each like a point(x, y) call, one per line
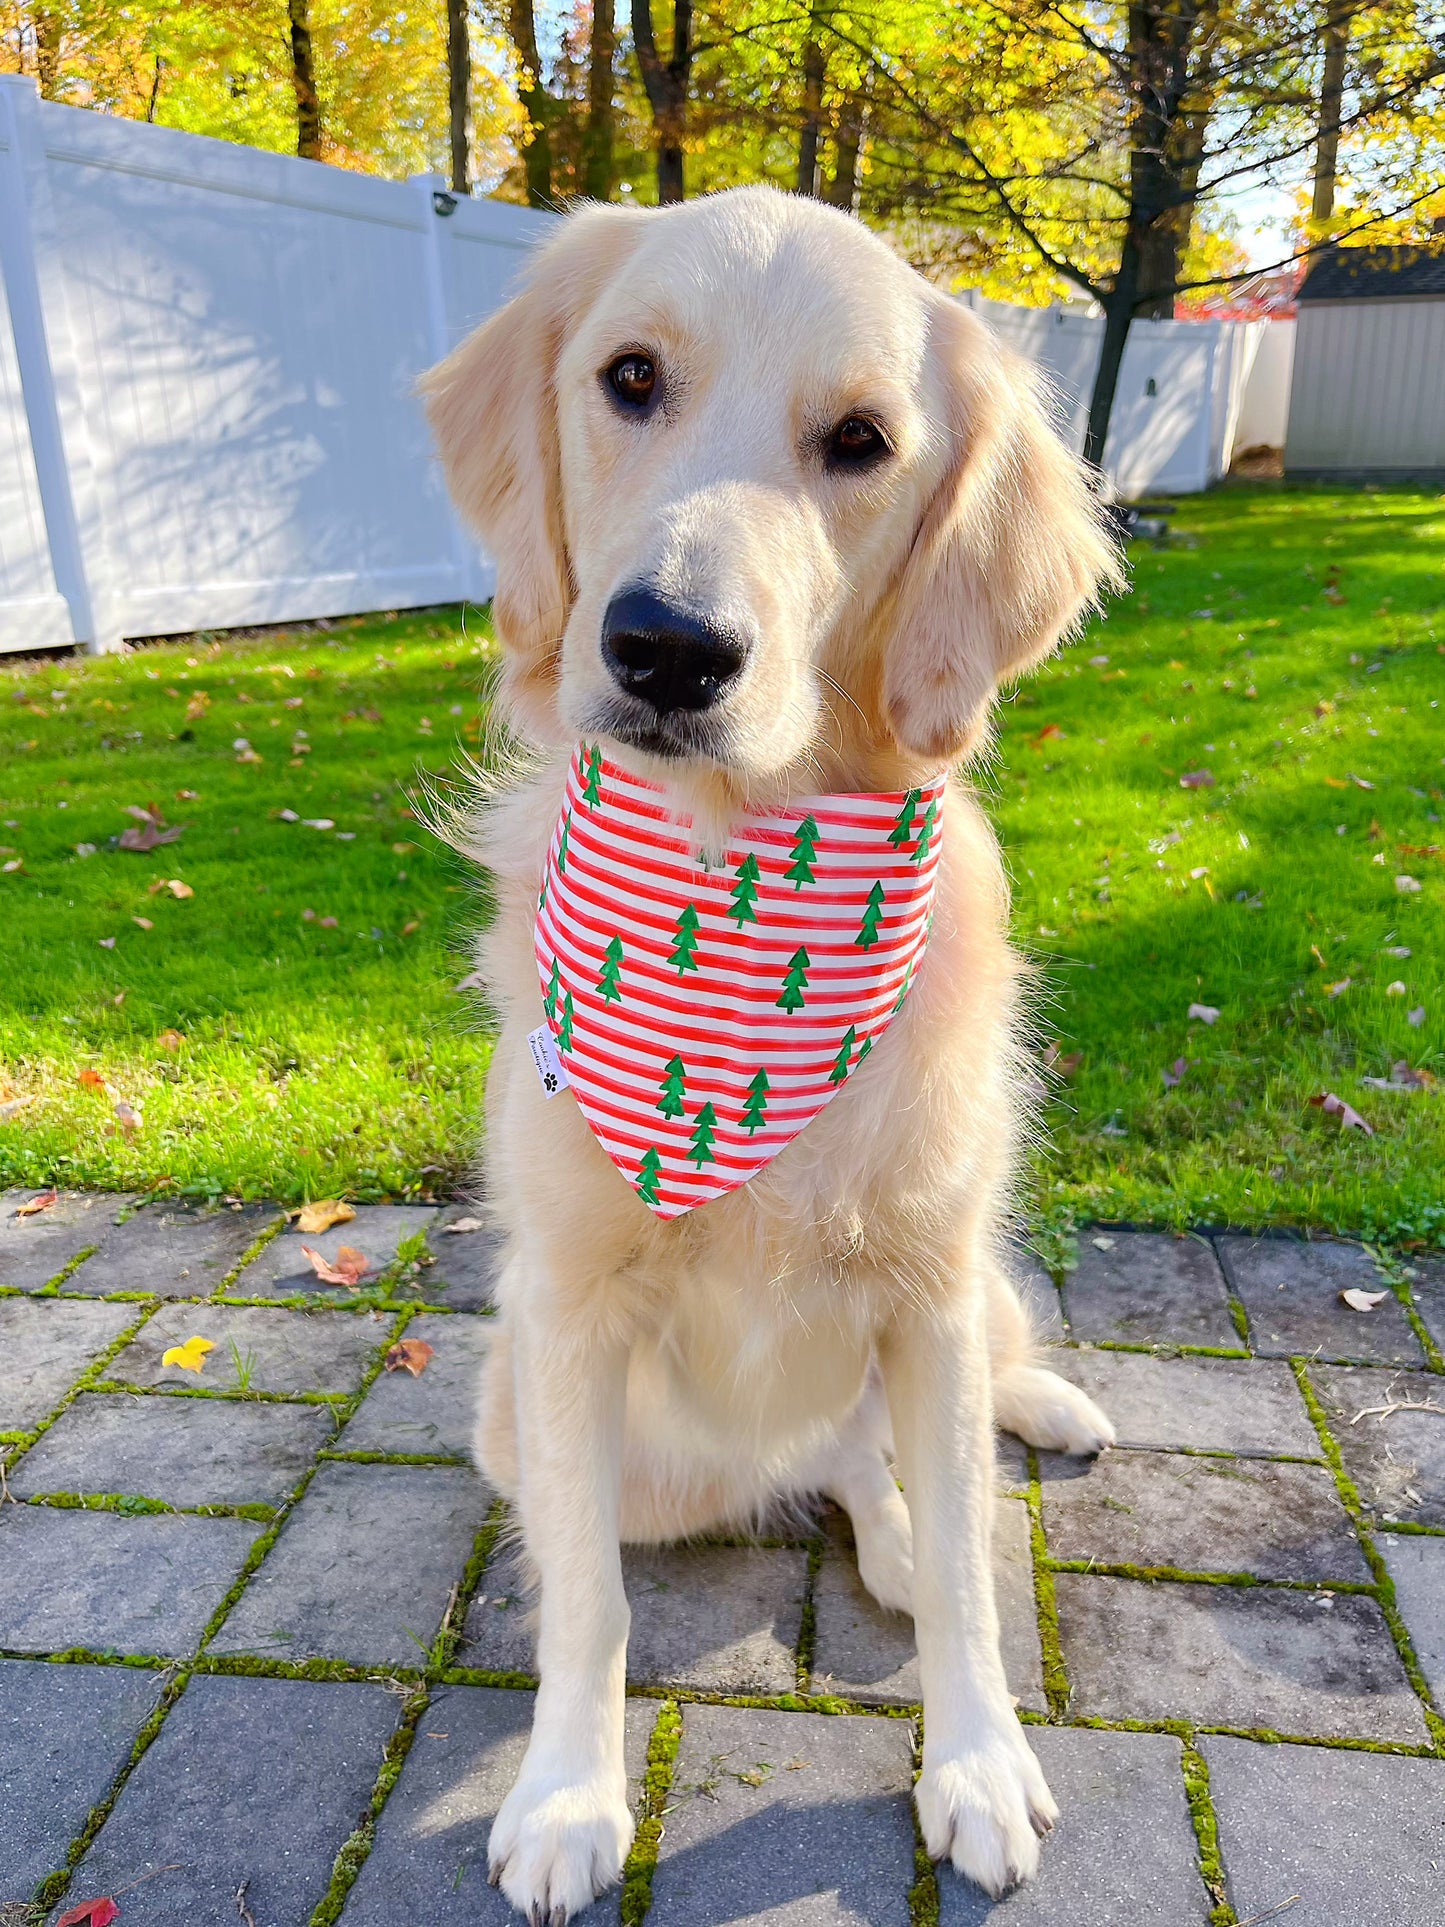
point(704, 1014)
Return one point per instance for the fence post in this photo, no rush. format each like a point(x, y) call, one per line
point(33, 275)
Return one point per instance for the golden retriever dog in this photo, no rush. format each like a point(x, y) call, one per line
point(845, 518)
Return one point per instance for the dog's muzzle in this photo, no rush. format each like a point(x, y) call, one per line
point(667, 656)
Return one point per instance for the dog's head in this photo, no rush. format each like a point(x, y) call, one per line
point(761, 499)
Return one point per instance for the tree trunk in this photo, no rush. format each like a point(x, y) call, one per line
point(815, 67)
point(459, 93)
point(1118, 314)
point(303, 75)
point(842, 188)
point(1163, 245)
point(601, 91)
point(1332, 99)
point(49, 33)
point(666, 84)
point(155, 94)
point(537, 155)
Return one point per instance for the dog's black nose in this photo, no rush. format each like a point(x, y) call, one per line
point(671, 658)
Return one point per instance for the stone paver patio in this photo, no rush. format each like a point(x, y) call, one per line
point(265, 1654)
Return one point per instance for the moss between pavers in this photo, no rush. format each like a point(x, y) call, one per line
point(641, 1862)
point(84, 1383)
point(51, 1287)
point(352, 1856)
point(119, 1387)
point(1384, 1584)
point(1178, 1575)
point(132, 1505)
point(394, 1458)
point(1162, 1350)
point(1057, 1690)
point(808, 1618)
point(52, 1889)
point(332, 1672)
point(1206, 1834)
point(923, 1898)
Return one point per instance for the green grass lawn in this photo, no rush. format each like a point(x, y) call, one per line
point(1292, 643)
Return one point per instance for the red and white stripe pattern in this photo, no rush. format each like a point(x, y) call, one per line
point(704, 1015)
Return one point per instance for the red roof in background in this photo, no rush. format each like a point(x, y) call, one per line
point(1263, 297)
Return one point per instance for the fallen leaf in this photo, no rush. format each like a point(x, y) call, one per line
point(144, 923)
point(1415, 1017)
point(1338, 989)
point(143, 813)
point(197, 706)
point(1203, 1013)
point(350, 1268)
point(42, 1201)
point(91, 1080)
point(1358, 1300)
point(149, 837)
point(1176, 1072)
point(459, 1225)
point(324, 1213)
point(1359, 782)
point(326, 923)
point(1397, 950)
point(409, 1355)
point(1337, 782)
point(128, 1118)
point(188, 796)
point(1407, 886)
point(410, 929)
point(318, 822)
point(1102, 1243)
point(1197, 779)
point(170, 1040)
point(1046, 734)
point(180, 891)
point(191, 1356)
point(90, 1913)
point(1332, 1106)
point(106, 943)
point(15, 863)
point(287, 816)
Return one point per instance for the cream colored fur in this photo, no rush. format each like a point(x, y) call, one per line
point(649, 1380)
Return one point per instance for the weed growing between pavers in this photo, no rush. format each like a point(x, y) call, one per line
point(352, 1856)
point(1206, 1834)
point(1057, 1690)
point(923, 1897)
point(133, 1505)
point(808, 1619)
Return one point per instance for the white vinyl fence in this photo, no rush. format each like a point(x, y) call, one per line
point(208, 357)
point(207, 361)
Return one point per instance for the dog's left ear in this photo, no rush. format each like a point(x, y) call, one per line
point(1009, 555)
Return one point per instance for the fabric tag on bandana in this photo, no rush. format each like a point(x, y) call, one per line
point(549, 1064)
point(704, 1014)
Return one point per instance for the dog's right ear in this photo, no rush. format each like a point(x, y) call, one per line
point(492, 409)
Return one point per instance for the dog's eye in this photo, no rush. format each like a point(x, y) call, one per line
point(856, 443)
point(633, 380)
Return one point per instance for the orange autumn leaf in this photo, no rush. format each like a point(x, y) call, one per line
point(99, 1912)
point(323, 1213)
point(41, 1202)
point(90, 1080)
point(409, 1355)
point(350, 1268)
point(170, 1040)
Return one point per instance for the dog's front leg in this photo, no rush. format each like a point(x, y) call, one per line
point(564, 1829)
point(982, 1800)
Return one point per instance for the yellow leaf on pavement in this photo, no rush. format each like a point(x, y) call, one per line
point(191, 1356)
point(323, 1214)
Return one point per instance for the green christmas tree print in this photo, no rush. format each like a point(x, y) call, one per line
point(925, 830)
point(648, 1173)
point(684, 941)
point(907, 982)
point(564, 1035)
point(845, 1052)
point(702, 1136)
point(554, 985)
point(754, 1116)
point(863, 1050)
point(903, 827)
point(670, 1102)
point(796, 981)
point(868, 930)
point(805, 848)
point(607, 986)
point(592, 762)
point(745, 892)
point(562, 846)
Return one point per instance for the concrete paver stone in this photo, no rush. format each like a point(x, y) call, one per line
point(364, 1567)
point(182, 1451)
point(435, 1413)
point(113, 1584)
point(1417, 1566)
point(275, 1351)
point(1291, 1292)
point(1200, 1515)
point(45, 1345)
point(1252, 1657)
point(1123, 1852)
point(34, 1249)
point(218, 1803)
point(428, 1865)
point(65, 1732)
point(787, 1819)
point(1148, 1288)
point(1245, 1405)
point(173, 1251)
point(1390, 1428)
point(283, 1271)
point(464, 1277)
point(1360, 1837)
point(864, 1653)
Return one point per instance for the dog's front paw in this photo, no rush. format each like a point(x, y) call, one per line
point(984, 1807)
point(553, 1848)
point(885, 1556)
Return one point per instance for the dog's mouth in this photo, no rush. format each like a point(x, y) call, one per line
point(674, 736)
